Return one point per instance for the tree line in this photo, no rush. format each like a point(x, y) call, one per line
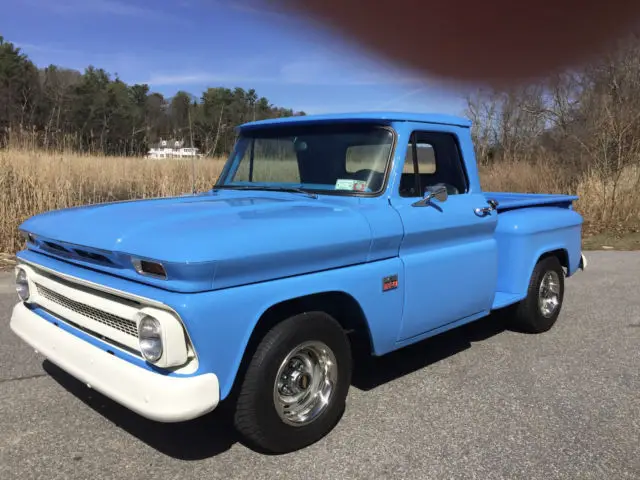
point(60, 108)
point(583, 121)
point(585, 118)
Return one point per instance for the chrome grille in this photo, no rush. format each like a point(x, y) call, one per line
point(122, 324)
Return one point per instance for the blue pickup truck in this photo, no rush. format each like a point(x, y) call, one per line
point(321, 235)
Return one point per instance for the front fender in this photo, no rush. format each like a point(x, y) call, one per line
point(221, 323)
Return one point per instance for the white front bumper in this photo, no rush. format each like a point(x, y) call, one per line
point(152, 395)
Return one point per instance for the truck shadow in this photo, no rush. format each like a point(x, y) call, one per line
point(371, 372)
point(214, 434)
point(197, 439)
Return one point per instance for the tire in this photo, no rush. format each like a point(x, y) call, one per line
point(257, 418)
point(530, 315)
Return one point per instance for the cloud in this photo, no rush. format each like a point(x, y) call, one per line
point(397, 100)
point(310, 72)
point(252, 7)
point(289, 75)
point(257, 9)
point(46, 49)
point(450, 104)
point(103, 7)
point(124, 64)
point(318, 69)
point(343, 67)
point(194, 78)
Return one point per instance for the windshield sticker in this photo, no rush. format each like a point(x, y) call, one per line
point(354, 185)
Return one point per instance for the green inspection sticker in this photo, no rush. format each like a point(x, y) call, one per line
point(347, 184)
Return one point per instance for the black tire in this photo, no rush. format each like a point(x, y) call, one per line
point(528, 315)
point(256, 417)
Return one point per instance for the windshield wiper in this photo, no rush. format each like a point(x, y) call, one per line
point(267, 188)
point(289, 189)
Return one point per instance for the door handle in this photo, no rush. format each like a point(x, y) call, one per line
point(482, 212)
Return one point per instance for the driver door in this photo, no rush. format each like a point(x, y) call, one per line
point(449, 252)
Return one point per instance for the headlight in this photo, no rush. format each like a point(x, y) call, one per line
point(161, 337)
point(150, 338)
point(22, 284)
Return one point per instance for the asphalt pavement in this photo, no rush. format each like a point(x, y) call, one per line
point(479, 402)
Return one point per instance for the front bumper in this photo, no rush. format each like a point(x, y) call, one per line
point(155, 396)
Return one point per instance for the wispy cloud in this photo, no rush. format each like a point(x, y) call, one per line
point(252, 7)
point(312, 108)
point(124, 64)
point(50, 49)
point(451, 104)
point(397, 100)
point(255, 8)
point(194, 78)
point(313, 70)
point(102, 7)
point(287, 77)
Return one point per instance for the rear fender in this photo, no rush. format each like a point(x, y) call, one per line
point(524, 236)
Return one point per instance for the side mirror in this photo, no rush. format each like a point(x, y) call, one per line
point(439, 192)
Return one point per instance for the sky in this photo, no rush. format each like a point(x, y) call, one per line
point(195, 44)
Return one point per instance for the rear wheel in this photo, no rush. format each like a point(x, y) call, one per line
point(296, 384)
point(539, 311)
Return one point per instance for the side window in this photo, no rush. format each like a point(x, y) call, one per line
point(432, 158)
point(426, 158)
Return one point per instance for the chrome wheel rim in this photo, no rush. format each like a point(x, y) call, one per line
point(305, 383)
point(549, 294)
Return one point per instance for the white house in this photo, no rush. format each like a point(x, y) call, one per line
point(177, 150)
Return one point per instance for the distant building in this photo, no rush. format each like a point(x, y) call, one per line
point(172, 149)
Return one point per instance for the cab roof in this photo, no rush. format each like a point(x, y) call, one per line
point(363, 117)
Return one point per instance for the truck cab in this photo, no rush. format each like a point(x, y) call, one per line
point(321, 232)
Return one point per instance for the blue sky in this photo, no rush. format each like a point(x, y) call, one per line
point(193, 44)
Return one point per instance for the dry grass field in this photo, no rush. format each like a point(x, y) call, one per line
point(34, 181)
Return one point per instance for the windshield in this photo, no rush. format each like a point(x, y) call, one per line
point(338, 158)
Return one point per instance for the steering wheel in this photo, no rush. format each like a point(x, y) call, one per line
point(370, 176)
point(451, 190)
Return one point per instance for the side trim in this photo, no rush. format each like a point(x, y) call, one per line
point(441, 329)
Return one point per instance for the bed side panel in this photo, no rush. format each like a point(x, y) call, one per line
point(525, 235)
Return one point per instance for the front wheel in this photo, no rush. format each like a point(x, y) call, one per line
point(296, 384)
point(539, 311)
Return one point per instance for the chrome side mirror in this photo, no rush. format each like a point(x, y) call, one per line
point(439, 192)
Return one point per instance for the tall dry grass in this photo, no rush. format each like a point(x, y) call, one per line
point(605, 202)
point(32, 182)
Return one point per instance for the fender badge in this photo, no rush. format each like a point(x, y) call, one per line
point(389, 283)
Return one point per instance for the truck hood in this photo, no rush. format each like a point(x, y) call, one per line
point(207, 241)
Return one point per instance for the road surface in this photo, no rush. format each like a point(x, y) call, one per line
point(479, 402)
